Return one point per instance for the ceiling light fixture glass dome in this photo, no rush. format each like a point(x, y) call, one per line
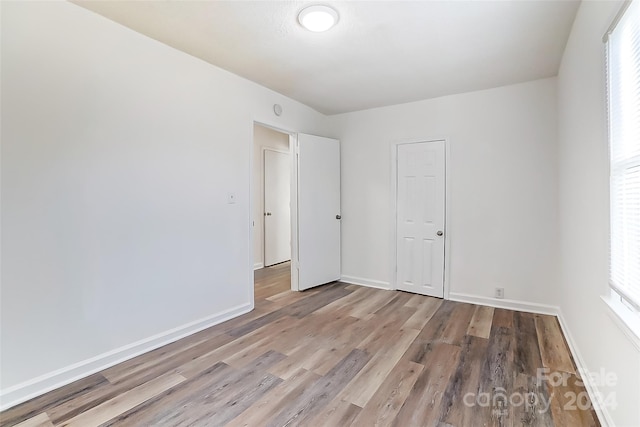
point(318, 18)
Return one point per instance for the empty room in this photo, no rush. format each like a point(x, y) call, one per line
point(332, 213)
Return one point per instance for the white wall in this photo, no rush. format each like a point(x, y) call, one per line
point(503, 216)
point(263, 137)
point(117, 156)
point(584, 211)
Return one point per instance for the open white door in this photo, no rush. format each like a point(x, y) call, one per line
point(318, 210)
point(277, 209)
point(420, 218)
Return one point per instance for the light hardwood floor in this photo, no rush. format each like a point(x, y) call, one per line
point(337, 355)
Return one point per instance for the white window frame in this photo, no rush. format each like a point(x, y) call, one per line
point(624, 316)
point(622, 308)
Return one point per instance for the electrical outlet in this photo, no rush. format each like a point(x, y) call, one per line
point(499, 293)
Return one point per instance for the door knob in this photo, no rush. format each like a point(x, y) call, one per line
point(338, 216)
point(267, 214)
point(439, 233)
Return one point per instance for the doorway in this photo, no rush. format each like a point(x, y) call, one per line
point(307, 241)
point(420, 217)
point(271, 197)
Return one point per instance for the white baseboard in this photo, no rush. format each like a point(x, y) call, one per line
point(509, 304)
point(378, 284)
point(258, 265)
point(35, 387)
point(590, 385)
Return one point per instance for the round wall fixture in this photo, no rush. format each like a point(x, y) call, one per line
point(277, 109)
point(318, 18)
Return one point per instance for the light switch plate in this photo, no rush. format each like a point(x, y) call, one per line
point(231, 198)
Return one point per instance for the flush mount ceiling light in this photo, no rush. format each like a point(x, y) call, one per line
point(318, 18)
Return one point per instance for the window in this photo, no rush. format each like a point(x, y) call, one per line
point(623, 75)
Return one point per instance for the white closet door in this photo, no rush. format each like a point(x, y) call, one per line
point(420, 218)
point(277, 209)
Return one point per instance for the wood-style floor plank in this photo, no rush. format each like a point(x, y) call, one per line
point(276, 401)
point(124, 402)
point(41, 420)
point(339, 412)
point(534, 411)
point(480, 325)
point(455, 331)
point(423, 312)
point(335, 355)
point(389, 397)
point(369, 380)
point(464, 382)
point(423, 404)
point(527, 357)
point(313, 399)
point(496, 378)
point(51, 400)
point(553, 349)
point(569, 397)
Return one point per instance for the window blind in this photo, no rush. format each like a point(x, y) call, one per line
point(623, 75)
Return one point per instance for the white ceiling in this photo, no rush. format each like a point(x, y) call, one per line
point(380, 53)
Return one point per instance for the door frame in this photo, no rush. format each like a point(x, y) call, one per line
point(393, 204)
point(262, 183)
point(293, 138)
